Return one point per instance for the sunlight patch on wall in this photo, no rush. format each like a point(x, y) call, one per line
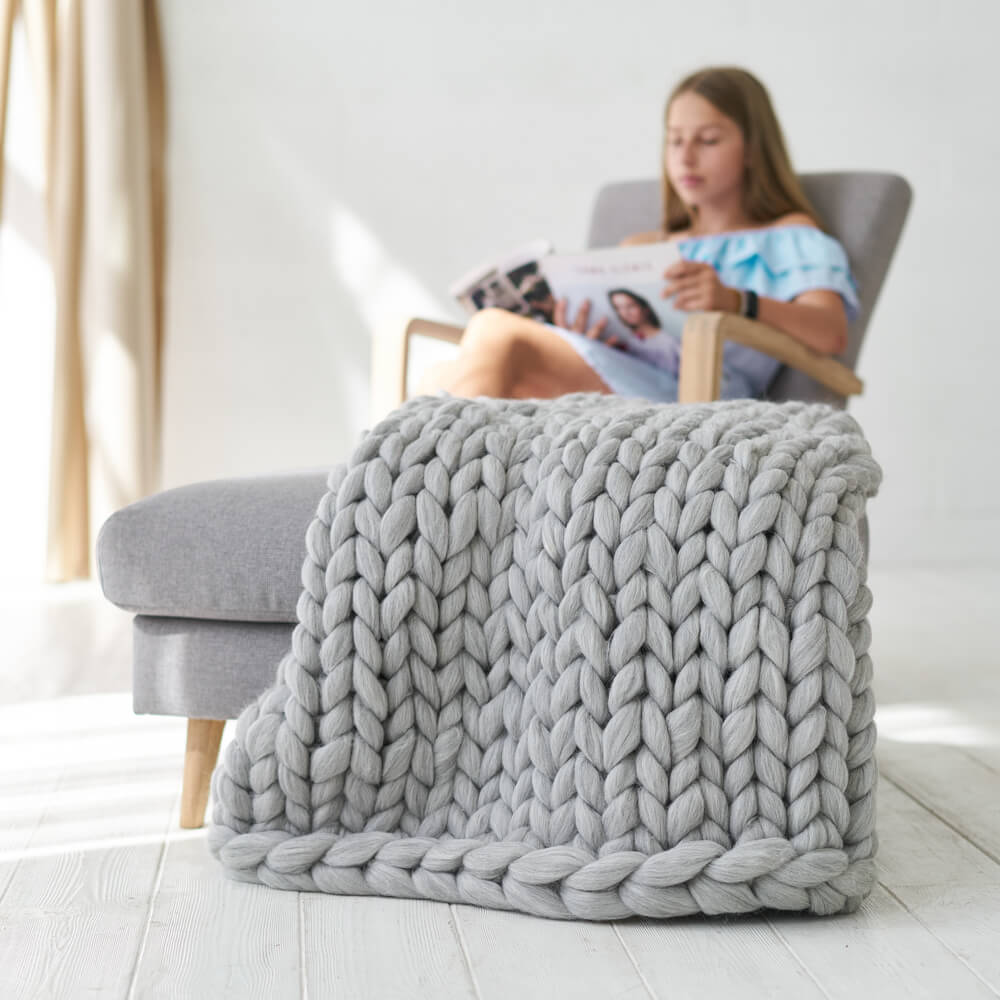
point(383, 290)
point(381, 286)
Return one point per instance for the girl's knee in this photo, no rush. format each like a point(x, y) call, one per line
point(495, 331)
point(490, 317)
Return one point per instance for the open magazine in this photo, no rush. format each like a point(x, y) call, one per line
point(623, 285)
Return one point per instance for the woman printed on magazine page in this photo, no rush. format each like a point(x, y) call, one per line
point(655, 345)
point(733, 205)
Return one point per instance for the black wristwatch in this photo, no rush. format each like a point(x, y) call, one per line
point(750, 304)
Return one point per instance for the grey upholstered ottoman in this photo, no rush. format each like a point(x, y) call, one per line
point(212, 572)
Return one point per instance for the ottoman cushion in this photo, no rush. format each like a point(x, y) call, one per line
point(227, 549)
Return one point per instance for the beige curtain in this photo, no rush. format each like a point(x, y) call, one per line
point(99, 80)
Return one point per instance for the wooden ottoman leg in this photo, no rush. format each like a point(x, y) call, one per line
point(203, 739)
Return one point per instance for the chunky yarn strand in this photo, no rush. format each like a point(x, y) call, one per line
point(585, 658)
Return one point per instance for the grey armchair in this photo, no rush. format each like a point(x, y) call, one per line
point(864, 210)
point(214, 615)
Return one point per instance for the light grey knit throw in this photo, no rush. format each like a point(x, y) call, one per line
point(584, 658)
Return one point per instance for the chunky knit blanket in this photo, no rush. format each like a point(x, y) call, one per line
point(583, 658)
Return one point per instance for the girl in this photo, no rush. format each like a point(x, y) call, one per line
point(733, 204)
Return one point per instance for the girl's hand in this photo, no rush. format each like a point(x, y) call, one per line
point(696, 287)
point(580, 323)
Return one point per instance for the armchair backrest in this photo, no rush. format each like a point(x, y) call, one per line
point(864, 210)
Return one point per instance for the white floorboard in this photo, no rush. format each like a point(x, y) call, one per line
point(214, 937)
point(519, 955)
point(397, 948)
point(702, 957)
point(102, 895)
point(880, 951)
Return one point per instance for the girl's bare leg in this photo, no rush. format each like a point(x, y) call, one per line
point(509, 356)
point(436, 377)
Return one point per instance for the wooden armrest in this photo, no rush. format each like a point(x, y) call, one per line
point(705, 333)
point(431, 328)
point(391, 355)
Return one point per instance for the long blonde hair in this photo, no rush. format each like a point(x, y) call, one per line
point(771, 187)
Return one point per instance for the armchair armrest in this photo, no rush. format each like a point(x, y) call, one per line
point(705, 333)
point(391, 355)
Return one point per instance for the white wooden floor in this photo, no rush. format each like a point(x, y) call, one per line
point(102, 895)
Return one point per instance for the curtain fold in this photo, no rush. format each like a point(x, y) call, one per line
point(68, 555)
point(8, 12)
point(98, 73)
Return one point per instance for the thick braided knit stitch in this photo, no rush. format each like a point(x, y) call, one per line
point(583, 658)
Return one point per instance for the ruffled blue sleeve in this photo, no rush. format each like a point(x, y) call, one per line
point(779, 263)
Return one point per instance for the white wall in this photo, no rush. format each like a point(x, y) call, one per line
point(333, 164)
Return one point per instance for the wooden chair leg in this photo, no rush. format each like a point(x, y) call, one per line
point(203, 739)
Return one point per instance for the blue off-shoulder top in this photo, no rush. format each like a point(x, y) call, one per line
point(777, 263)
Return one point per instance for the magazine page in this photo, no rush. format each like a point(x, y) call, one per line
point(624, 286)
point(511, 282)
